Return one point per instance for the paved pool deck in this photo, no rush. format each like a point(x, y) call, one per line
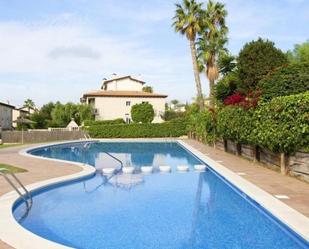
point(268, 180)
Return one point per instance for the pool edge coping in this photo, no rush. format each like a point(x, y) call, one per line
point(296, 221)
point(10, 228)
point(14, 234)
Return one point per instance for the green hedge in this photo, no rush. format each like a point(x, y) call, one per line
point(202, 124)
point(282, 125)
point(104, 122)
point(235, 123)
point(174, 128)
point(286, 80)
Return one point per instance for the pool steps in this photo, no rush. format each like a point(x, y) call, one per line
point(128, 170)
point(147, 169)
point(200, 167)
point(150, 169)
point(165, 168)
point(108, 171)
point(182, 168)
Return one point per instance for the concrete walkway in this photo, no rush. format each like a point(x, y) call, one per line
point(270, 181)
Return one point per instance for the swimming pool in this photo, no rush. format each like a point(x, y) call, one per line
point(171, 210)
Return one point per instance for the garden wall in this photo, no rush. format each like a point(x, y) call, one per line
point(40, 136)
point(297, 165)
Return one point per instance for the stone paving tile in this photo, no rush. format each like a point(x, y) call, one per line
point(4, 246)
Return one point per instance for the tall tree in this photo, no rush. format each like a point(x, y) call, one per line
point(187, 21)
point(226, 63)
point(300, 53)
point(29, 103)
point(147, 89)
point(256, 59)
point(212, 41)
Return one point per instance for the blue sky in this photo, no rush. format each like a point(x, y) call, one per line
point(58, 49)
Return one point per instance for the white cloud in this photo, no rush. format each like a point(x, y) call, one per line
point(63, 61)
point(77, 52)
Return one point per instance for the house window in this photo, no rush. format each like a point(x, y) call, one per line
point(128, 103)
point(91, 101)
point(128, 119)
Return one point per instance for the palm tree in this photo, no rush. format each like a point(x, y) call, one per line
point(212, 42)
point(147, 89)
point(187, 21)
point(29, 103)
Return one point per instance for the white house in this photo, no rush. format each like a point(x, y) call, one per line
point(6, 116)
point(17, 113)
point(119, 94)
point(29, 110)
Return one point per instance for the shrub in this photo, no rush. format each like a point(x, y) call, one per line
point(226, 86)
point(171, 114)
point(104, 122)
point(282, 125)
point(235, 123)
point(300, 53)
point(174, 128)
point(142, 113)
point(234, 99)
point(249, 101)
point(286, 80)
point(203, 125)
point(256, 59)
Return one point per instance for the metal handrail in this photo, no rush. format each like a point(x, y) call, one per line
point(107, 153)
point(115, 158)
point(26, 197)
point(4, 172)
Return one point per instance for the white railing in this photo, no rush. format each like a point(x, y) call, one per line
point(56, 129)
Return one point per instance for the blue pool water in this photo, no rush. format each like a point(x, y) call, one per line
point(172, 210)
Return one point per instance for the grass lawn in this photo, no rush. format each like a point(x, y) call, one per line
point(2, 146)
point(12, 168)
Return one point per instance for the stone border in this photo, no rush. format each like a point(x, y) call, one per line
point(11, 232)
point(287, 215)
point(10, 228)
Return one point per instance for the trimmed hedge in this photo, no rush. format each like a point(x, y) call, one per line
point(282, 125)
point(202, 124)
point(235, 123)
point(174, 128)
point(104, 122)
point(286, 80)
